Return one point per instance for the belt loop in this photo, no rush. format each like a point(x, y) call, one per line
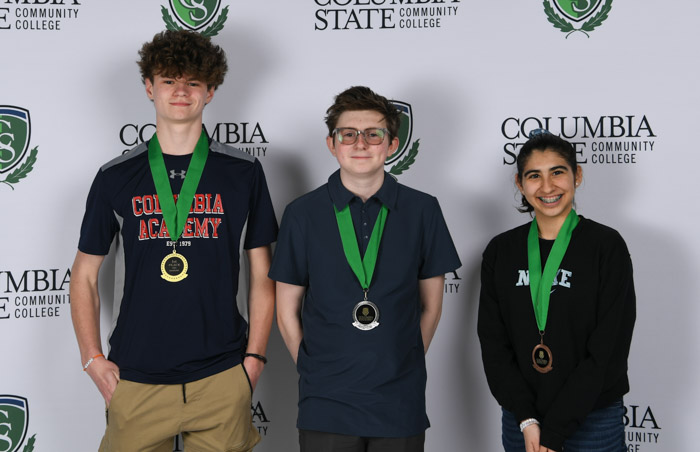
point(184, 394)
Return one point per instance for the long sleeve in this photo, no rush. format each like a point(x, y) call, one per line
point(503, 373)
point(604, 368)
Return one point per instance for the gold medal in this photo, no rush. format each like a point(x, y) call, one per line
point(173, 267)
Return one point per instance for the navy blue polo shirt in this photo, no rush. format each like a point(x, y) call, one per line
point(354, 382)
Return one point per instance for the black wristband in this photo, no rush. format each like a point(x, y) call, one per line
point(256, 356)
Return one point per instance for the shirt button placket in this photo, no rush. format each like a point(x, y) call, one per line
point(365, 231)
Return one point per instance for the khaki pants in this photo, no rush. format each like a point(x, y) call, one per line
point(213, 414)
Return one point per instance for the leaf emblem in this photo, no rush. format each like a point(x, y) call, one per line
point(170, 23)
point(30, 444)
point(555, 19)
point(599, 18)
point(406, 162)
point(24, 169)
point(218, 24)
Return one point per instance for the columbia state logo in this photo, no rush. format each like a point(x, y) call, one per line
point(15, 131)
point(197, 15)
point(571, 16)
point(404, 156)
point(14, 422)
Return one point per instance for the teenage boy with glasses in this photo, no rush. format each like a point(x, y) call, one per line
point(360, 266)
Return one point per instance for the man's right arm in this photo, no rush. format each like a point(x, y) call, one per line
point(85, 312)
point(289, 297)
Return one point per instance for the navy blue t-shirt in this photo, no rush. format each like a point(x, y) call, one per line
point(177, 332)
point(354, 382)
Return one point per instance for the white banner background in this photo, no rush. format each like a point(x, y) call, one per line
point(485, 63)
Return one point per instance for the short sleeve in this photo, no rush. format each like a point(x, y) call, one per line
point(290, 264)
point(262, 223)
point(99, 222)
point(438, 250)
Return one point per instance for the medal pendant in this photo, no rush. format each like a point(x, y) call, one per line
point(365, 315)
point(542, 358)
point(174, 267)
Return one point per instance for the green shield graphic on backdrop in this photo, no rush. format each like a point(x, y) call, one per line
point(577, 10)
point(405, 130)
point(14, 420)
point(195, 14)
point(15, 128)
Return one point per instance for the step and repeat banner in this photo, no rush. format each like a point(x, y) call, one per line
point(617, 78)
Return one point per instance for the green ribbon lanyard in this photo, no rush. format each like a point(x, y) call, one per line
point(363, 268)
point(541, 281)
point(175, 215)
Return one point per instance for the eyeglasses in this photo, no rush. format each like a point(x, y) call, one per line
point(348, 135)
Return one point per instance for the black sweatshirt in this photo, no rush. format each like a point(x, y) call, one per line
point(589, 328)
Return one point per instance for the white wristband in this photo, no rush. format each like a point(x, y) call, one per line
point(528, 422)
point(89, 361)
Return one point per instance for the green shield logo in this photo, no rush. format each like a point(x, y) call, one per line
point(195, 14)
point(403, 162)
point(577, 10)
point(405, 130)
point(15, 128)
point(14, 420)
point(594, 12)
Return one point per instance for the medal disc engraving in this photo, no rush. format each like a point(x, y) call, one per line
point(174, 267)
point(542, 358)
point(365, 315)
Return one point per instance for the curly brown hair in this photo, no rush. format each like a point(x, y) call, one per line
point(362, 98)
point(183, 53)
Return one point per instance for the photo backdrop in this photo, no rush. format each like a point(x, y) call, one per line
point(618, 78)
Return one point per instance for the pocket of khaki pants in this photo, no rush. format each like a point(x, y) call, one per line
point(250, 385)
point(114, 393)
point(111, 401)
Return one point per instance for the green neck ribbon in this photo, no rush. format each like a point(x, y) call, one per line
point(175, 215)
point(541, 280)
point(363, 268)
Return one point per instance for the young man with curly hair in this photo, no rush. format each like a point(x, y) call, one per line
point(360, 266)
point(182, 359)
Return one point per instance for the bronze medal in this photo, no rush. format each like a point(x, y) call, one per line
point(174, 267)
point(542, 358)
point(541, 282)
